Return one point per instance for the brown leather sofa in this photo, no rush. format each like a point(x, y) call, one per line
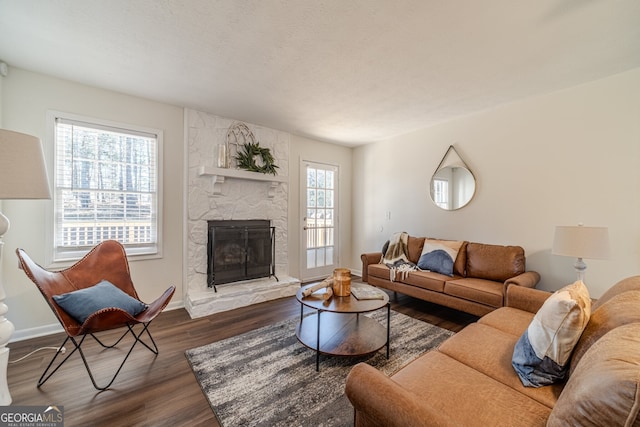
point(469, 380)
point(482, 274)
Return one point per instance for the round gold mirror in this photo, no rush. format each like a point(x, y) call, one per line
point(452, 184)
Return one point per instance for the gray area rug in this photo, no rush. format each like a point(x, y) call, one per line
point(266, 377)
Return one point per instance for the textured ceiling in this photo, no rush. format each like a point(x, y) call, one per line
point(348, 71)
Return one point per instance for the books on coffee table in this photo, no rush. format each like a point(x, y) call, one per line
point(366, 293)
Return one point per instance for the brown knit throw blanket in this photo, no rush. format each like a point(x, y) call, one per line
point(396, 257)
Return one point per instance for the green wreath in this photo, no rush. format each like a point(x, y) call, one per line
point(246, 158)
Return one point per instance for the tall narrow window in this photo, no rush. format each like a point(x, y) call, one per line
point(106, 187)
point(441, 192)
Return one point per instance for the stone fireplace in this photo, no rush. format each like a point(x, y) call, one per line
point(215, 195)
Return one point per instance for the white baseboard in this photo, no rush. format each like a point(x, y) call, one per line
point(174, 305)
point(54, 328)
point(40, 331)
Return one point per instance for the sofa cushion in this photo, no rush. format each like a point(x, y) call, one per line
point(620, 310)
point(507, 319)
point(466, 396)
point(439, 255)
point(414, 248)
point(541, 355)
point(478, 290)
point(494, 262)
point(489, 350)
point(628, 284)
point(385, 247)
point(604, 389)
point(426, 280)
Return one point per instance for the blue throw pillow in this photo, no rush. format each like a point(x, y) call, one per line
point(82, 303)
point(439, 256)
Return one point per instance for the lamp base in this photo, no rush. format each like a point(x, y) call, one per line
point(6, 327)
point(5, 396)
point(580, 267)
point(4, 225)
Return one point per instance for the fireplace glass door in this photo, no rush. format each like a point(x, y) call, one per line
point(239, 250)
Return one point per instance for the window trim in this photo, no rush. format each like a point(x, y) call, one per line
point(134, 252)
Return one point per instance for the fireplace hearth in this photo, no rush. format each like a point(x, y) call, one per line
point(239, 250)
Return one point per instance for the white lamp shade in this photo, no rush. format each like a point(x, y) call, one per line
point(581, 242)
point(23, 174)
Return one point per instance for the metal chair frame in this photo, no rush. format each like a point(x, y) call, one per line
point(77, 346)
point(106, 261)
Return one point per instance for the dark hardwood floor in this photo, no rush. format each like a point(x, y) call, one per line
point(161, 390)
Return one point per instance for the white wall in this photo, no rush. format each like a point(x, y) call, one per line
point(556, 159)
point(26, 97)
point(311, 150)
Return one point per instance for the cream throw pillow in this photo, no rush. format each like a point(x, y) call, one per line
point(542, 353)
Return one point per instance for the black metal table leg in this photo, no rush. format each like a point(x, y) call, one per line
point(388, 328)
point(318, 344)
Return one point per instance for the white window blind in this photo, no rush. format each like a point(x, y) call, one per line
point(106, 187)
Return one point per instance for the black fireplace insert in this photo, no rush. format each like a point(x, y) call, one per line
point(239, 250)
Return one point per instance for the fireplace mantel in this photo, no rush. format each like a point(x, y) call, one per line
point(218, 176)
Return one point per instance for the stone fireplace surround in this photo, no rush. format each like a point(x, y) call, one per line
point(221, 194)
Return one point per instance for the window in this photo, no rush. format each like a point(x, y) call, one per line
point(441, 192)
point(106, 186)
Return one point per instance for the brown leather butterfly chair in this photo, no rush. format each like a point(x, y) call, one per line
point(106, 261)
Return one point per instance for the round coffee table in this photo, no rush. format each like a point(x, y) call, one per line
point(336, 328)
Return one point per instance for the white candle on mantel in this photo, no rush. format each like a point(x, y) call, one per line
point(222, 156)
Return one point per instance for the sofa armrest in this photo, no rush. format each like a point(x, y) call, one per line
point(526, 299)
point(386, 403)
point(528, 279)
point(370, 258)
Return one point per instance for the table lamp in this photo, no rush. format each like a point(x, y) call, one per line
point(581, 242)
point(23, 175)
